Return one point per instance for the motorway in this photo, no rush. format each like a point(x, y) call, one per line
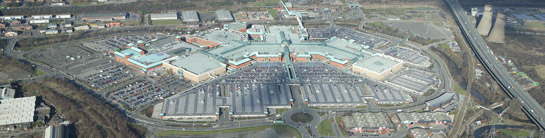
point(530, 106)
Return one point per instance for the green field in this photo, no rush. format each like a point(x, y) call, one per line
point(459, 89)
point(166, 22)
point(518, 133)
point(287, 131)
point(281, 111)
point(339, 125)
point(325, 128)
point(273, 13)
point(80, 4)
point(535, 25)
point(266, 3)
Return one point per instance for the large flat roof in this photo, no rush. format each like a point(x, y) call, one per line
point(17, 110)
point(190, 16)
point(198, 63)
point(224, 15)
point(114, 14)
point(376, 64)
point(164, 15)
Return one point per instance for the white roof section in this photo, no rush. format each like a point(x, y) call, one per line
point(164, 16)
point(18, 110)
point(198, 63)
point(377, 64)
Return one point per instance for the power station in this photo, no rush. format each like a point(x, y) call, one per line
point(486, 21)
point(497, 35)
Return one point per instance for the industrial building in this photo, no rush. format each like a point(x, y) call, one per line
point(440, 101)
point(196, 67)
point(47, 16)
point(224, 15)
point(7, 93)
point(377, 67)
point(39, 21)
point(136, 57)
point(368, 122)
point(424, 118)
point(91, 17)
point(190, 16)
point(12, 17)
point(80, 28)
point(51, 31)
point(58, 131)
point(17, 110)
point(63, 16)
point(164, 16)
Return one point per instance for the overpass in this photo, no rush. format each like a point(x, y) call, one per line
point(479, 47)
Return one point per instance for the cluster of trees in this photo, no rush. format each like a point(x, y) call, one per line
point(35, 42)
point(380, 27)
point(93, 117)
point(9, 62)
point(525, 51)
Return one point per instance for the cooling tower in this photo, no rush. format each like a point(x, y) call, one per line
point(497, 35)
point(486, 20)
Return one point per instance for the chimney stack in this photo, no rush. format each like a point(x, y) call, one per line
point(497, 35)
point(486, 21)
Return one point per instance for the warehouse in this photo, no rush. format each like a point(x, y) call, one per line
point(164, 16)
point(368, 122)
point(91, 17)
point(196, 67)
point(224, 15)
point(17, 110)
point(377, 67)
point(440, 101)
point(190, 16)
point(39, 21)
point(60, 131)
point(83, 27)
point(48, 16)
point(14, 17)
point(63, 16)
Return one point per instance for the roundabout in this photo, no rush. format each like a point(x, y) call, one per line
point(301, 117)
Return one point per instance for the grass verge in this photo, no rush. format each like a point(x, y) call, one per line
point(325, 128)
point(518, 133)
point(459, 89)
point(340, 125)
point(166, 22)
